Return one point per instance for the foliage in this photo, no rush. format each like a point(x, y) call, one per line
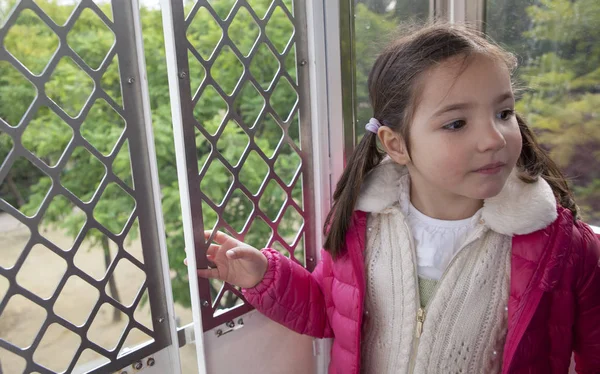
point(373, 31)
point(48, 136)
point(375, 25)
point(560, 56)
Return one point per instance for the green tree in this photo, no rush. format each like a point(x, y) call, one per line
point(373, 32)
point(47, 135)
point(560, 56)
point(375, 25)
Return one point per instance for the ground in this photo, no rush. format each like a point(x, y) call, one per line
point(21, 320)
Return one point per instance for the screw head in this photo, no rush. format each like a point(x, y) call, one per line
point(137, 365)
point(130, 80)
point(310, 259)
point(150, 361)
point(302, 62)
point(182, 75)
point(124, 372)
point(205, 303)
point(161, 319)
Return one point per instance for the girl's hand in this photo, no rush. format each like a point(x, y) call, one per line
point(236, 263)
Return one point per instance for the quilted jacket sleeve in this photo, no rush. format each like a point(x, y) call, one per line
point(292, 296)
point(587, 322)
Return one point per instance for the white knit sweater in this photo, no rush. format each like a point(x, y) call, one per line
point(465, 323)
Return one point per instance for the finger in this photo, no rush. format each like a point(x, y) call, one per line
point(220, 237)
point(239, 253)
point(211, 261)
point(208, 273)
point(212, 250)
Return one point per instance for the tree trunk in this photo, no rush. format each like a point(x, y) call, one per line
point(15, 190)
point(114, 292)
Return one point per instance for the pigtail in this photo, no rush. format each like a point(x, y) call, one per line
point(364, 158)
point(534, 162)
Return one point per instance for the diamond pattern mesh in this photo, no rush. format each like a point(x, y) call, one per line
point(248, 107)
point(68, 133)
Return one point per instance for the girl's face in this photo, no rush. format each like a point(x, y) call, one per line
point(464, 138)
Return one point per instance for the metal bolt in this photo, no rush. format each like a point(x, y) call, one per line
point(124, 372)
point(302, 62)
point(130, 80)
point(240, 321)
point(230, 324)
point(182, 75)
point(205, 304)
point(161, 319)
point(150, 361)
point(219, 332)
point(137, 365)
point(310, 259)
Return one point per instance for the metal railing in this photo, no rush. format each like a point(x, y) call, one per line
point(260, 191)
point(136, 185)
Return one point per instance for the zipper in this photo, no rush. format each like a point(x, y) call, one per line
point(422, 312)
point(420, 322)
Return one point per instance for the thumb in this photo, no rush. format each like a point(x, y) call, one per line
point(239, 253)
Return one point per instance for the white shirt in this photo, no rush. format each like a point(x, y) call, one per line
point(438, 241)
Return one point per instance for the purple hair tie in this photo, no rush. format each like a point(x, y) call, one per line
point(373, 125)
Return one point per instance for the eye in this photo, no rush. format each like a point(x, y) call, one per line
point(505, 115)
point(455, 125)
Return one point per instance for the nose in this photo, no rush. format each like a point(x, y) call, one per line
point(491, 137)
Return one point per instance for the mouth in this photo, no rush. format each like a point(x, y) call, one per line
point(491, 168)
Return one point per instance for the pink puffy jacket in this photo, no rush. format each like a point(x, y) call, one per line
point(554, 305)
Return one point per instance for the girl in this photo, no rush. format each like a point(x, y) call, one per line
point(460, 251)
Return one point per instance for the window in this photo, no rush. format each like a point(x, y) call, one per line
point(557, 46)
point(374, 25)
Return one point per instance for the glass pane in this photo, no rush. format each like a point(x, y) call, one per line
point(557, 47)
point(374, 24)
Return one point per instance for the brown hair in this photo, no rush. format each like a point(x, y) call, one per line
point(393, 91)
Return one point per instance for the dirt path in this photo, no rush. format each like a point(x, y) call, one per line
point(21, 320)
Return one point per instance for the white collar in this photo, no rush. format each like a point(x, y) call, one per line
point(520, 208)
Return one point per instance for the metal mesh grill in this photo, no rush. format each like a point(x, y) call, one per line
point(245, 113)
point(78, 180)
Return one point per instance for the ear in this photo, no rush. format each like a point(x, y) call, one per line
point(394, 145)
